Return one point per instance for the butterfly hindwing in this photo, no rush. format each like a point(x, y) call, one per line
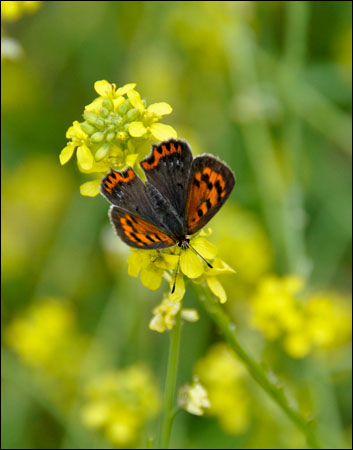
point(167, 168)
point(210, 184)
point(127, 191)
point(137, 232)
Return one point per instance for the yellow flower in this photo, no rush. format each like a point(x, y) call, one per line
point(223, 376)
point(194, 398)
point(120, 402)
point(320, 321)
point(116, 131)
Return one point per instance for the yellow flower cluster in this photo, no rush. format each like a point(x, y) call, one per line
point(193, 398)
point(119, 403)
point(303, 323)
point(223, 377)
point(12, 11)
point(154, 265)
point(117, 130)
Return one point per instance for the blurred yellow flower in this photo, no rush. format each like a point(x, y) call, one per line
point(193, 398)
point(13, 10)
point(223, 378)
point(318, 321)
point(117, 131)
point(120, 402)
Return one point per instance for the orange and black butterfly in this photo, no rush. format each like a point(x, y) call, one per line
point(180, 196)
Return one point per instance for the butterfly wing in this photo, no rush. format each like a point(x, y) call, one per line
point(210, 184)
point(136, 232)
point(167, 168)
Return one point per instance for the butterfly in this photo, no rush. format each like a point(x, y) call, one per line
point(180, 196)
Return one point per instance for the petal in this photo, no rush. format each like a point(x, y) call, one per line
point(151, 279)
point(75, 131)
point(117, 102)
point(219, 267)
point(191, 264)
point(160, 109)
point(134, 264)
point(124, 89)
point(137, 129)
point(167, 261)
point(66, 153)
point(84, 157)
point(95, 106)
point(135, 100)
point(131, 159)
point(162, 132)
point(191, 315)
point(204, 247)
point(179, 290)
point(217, 289)
point(157, 324)
point(103, 88)
point(91, 188)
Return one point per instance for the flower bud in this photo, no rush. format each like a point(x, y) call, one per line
point(132, 114)
point(102, 152)
point(97, 137)
point(110, 136)
point(104, 112)
point(87, 128)
point(123, 109)
point(108, 104)
point(122, 135)
point(91, 117)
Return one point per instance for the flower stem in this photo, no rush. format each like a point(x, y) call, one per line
point(170, 383)
point(227, 327)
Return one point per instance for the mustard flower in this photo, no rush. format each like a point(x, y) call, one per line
point(223, 377)
point(193, 398)
point(116, 132)
point(154, 265)
point(119, 403)
point(302, 323)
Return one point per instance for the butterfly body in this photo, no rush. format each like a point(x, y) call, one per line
point(180, 196)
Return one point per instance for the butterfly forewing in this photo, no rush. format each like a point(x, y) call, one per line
point(167, 168)
point(210, 184)
point(136, 232)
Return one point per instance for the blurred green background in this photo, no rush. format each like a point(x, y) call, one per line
point(266, 86)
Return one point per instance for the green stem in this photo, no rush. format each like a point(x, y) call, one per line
point(170, 383)
point(227, 327)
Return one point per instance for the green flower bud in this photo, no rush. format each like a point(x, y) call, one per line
point(124, 108)
point(104, 112)
point(144, 102)
point(132, 114)
point(126, 127)
point(97, 137)
point(108, 104)
point(110, 137)
point(87, 128)
point(102, 152)
point(91, 117)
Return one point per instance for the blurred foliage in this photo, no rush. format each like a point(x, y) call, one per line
point(266, 86)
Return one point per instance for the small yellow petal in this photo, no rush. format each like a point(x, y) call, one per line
point(134, 264)
point(117, 102)
point(151, 279)
point(217, 289)
point(179, 290)
point(162, 132)
point(85, 157)
point(90, 188)
point(103, 88)
point(137, 129)
point(191, 264)
point(167, 261)
point(160, 109)
point(135, 100)
point(66, 153)
point(124, 89)
point(204, 247)
point(95, 106)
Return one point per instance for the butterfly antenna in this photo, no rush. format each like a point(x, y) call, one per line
point(204, 259)
point(176, 274)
